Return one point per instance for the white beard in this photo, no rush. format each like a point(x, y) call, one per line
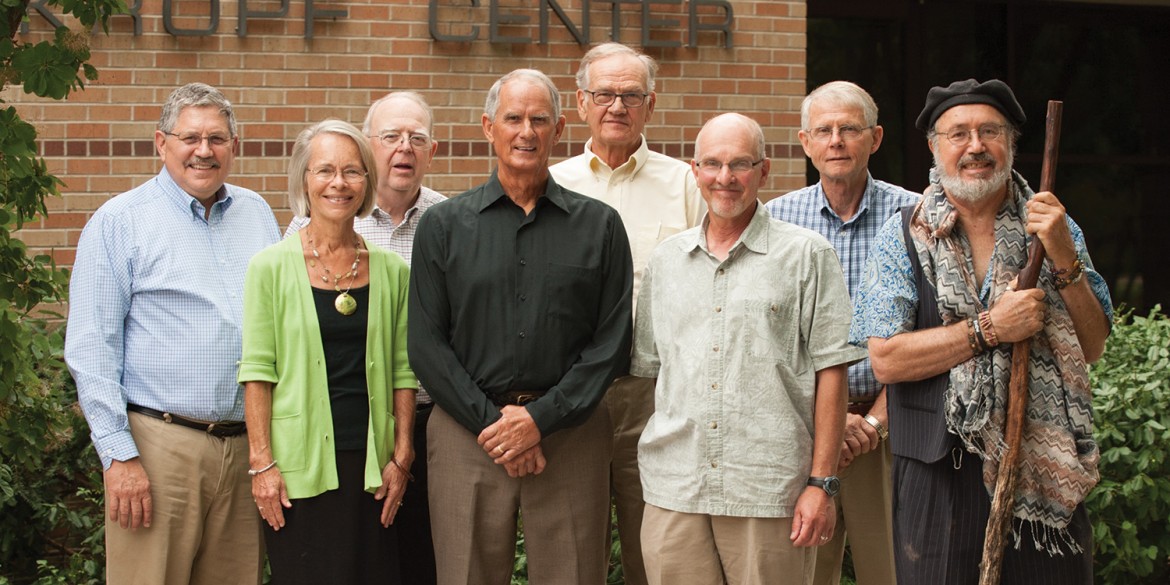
point(975, 190)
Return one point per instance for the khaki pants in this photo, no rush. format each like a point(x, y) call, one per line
point(864, 516)
point(205, 528)
point(631, 402)
point(698, 549)
point(474, 505)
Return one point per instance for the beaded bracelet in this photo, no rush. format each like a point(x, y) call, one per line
point(972, 339)
point(1066, 276)
point(255, 472)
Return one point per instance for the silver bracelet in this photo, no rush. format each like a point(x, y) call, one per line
point(878, 426)
point(255, 472)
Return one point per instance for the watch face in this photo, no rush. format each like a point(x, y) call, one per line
point(832, 485)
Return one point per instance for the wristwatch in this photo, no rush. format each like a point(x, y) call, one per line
point(830, 484)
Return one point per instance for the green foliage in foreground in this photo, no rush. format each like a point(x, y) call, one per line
point(50, 487)
point(1130, 508)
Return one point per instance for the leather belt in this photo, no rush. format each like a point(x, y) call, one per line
point(516, 397)
point(860, 408)
point(215, 429)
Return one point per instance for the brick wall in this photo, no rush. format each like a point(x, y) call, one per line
point(100, 141)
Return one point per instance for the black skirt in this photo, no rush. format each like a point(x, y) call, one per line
point(335, 537)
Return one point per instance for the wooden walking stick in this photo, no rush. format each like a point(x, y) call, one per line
point(999, 520)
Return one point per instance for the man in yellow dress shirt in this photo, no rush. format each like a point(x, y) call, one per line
point(656, 196)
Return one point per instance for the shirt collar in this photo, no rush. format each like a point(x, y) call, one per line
point(493, 191)
point(862, 206)
point(383, 215)
point(754, 236)
point(179, 197)
point(638, 158)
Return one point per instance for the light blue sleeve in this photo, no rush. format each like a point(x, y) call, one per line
point(100, 291)
point(887, 299)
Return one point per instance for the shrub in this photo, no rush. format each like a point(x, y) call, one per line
point(1130, 508)
point(50, 488)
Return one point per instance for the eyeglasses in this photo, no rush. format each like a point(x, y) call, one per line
point(417, 141)
point(326, 174)
point(987, 133)
point(193, 140)
point(739, 167)
point(630, 100)
point(847, 132)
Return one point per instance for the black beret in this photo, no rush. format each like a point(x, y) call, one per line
point(994, 93)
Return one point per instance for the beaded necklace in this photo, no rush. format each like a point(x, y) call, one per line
point(344, 303)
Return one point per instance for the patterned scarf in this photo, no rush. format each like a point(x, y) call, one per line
point(1058, 456)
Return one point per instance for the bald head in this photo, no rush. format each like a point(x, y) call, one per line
point(718, 129)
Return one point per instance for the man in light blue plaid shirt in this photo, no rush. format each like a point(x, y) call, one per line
point(153, 342)
point(847, 206)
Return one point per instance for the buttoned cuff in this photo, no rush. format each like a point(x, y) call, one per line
point(117, 446)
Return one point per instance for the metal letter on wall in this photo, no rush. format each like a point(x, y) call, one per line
point(581, 36)
point(438, 36)
point(134, 11)
point(168, 17)
point(498, 19)
point(242, 29)
point(311, 14)
point(39, 6)
point(647, 22)
point(724, 27)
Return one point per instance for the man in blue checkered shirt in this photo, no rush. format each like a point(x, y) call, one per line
point(847, 206)
point(153, 341)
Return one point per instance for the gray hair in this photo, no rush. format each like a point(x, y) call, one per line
point(298, 165)
point(840, 93)
point(751, 125)
point(493, 97)
point(606, 50)
point(195, 95)
point(401, 95)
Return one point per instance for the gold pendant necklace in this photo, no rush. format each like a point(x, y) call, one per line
point(344, 303)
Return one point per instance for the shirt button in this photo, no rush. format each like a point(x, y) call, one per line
point(715, 385)
point(774, 308)
point(521, 335)
point(523, 262)
point(713, 425)
point(722, 270)
point(524, 297)
point(714, 464)
point(716, 348)
point(718, 309)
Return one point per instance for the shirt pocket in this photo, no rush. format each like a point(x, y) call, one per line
point(770, 330)
point(573, 294)
point(646, 238)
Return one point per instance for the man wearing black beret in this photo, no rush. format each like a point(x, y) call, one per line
point(939, 312)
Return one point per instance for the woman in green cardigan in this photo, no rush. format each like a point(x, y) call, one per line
point(329, 394)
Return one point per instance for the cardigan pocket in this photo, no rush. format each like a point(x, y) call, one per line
point(288, 438)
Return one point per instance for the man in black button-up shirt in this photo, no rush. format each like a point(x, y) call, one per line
point(520, 317)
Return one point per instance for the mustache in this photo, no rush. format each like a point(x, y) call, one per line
point(979, 157)
point(196, 160)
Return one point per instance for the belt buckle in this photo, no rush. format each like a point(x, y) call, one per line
point(211, 430)
point(522, 399)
